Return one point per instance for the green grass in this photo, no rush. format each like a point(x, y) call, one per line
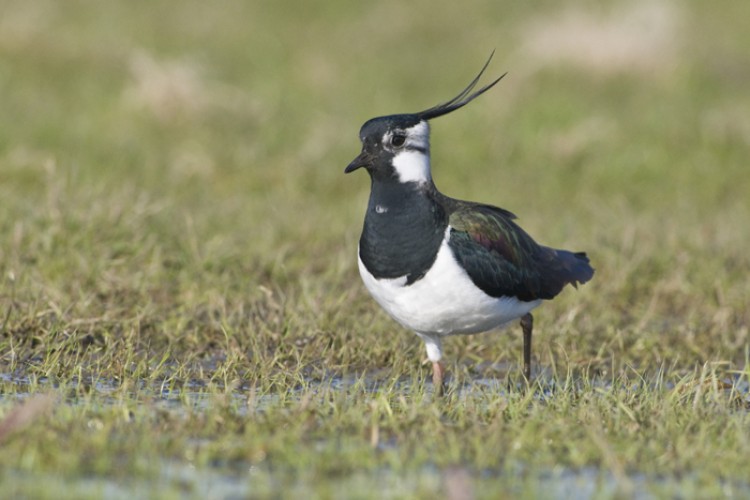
point(180, 310)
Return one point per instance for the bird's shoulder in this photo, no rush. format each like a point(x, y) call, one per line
point(490, 227)
point(499, 256)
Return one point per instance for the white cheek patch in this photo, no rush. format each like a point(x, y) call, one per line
point(412, 166)
point(419, 136)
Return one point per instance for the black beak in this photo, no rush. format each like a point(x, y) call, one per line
point(363, 160)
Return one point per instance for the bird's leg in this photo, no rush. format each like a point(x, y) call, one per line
point(527, 325)
point(434, 354)
point(437, 377)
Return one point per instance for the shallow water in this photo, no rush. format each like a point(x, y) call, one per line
point(207, 483)
point(195, 395)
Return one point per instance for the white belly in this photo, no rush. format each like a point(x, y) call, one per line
point(445, 301)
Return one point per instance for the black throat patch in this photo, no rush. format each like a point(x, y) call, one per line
point(404, 228)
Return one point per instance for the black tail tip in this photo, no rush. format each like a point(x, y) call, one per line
point(582, 271)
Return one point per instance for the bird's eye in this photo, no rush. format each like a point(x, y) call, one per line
point(398, 140)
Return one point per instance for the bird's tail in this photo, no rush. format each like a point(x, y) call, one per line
point(575, 266)
point(559, 268)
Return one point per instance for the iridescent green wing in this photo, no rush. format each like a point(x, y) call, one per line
point(504, 261)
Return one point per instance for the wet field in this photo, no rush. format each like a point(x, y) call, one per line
point(181, 314)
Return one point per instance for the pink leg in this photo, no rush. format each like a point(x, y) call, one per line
point(437, 377)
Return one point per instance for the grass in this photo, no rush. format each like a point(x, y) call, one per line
point(180, 311)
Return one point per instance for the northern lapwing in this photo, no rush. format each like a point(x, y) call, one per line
point(441, 266)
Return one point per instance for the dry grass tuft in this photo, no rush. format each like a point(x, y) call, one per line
point(24, 414)
point(636, 37)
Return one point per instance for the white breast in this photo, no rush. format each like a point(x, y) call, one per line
point(445, 301)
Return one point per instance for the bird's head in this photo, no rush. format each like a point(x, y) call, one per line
point(397, 147)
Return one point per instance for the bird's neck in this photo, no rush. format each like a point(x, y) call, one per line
point(413, 166)
point(403, 229)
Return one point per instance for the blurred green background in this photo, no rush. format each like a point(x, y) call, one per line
point(151, 148)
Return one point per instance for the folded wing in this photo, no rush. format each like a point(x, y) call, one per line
point(504, 261)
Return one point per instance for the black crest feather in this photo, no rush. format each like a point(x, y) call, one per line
point(462, 99)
